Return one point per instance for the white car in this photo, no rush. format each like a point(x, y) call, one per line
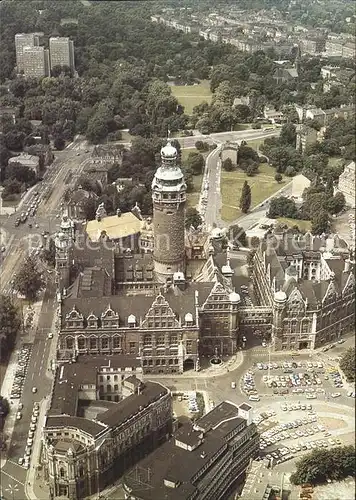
point(18, 415)
point(34, 390)
point(335, 394)
point(264, 344)
point(50, 335)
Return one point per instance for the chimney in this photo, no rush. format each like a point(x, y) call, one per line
point(347, 266)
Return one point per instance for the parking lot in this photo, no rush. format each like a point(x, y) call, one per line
point(24, 461)
point(21, 371)
point(312, 379)
point(292, 429)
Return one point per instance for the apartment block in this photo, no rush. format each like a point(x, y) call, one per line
point(23, 40)
point(35, 62)
point(61, 52)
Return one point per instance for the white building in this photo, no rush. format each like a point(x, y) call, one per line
point(347, 184)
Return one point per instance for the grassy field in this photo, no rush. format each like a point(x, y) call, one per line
point(192, 95)
point(255, 144)
point(304, 225)
point(262, 185)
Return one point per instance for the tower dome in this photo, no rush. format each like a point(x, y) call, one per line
point(234, 297)
point(169, 151)
point(280, 296)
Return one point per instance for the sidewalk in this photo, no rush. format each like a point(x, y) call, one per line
point(35, 486)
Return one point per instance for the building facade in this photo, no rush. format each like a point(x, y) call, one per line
point(347, 184)
point(35, 62)
point(23, 40)
point(61, 50)
point(308, 282)
point(84, 452)
point(201, 461)
point(30, 161)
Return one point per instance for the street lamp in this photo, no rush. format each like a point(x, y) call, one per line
point(12, 489)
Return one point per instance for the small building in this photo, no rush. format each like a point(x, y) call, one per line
point(347, 184)
point(121, 227)
point(26, 160)
point(282, 74)
point(299, 183)
point(273, 115)
point(76, 200)
point(104, 154)
point(305, 136)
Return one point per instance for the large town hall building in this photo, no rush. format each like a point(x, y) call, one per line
point(168, 295)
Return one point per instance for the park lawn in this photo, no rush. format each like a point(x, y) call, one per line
point(262, 186)
point(192, 95)
point(255, 144)
point(126, 137)
point(304, 225)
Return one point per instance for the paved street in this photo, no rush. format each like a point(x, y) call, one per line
point(221, 137)
point(212, 173)
point(19, 241)
point(38, 376)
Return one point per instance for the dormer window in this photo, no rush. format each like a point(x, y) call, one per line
point(131, 320)
point(92, 321)
point(188, 319)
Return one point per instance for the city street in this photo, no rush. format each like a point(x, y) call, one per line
point(38, 376)
point(212, 174)
point(19, 241)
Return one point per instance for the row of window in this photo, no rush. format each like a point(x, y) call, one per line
point(159, 362)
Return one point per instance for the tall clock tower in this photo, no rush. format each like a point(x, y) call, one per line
point(169, 197)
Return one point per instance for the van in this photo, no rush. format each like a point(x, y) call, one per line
point(254, 397)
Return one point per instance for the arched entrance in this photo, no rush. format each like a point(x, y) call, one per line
point(188, 364)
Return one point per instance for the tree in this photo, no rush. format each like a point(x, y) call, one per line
point(320, 222)
point(192, 218)
point(290, 172)
point(282, 207)
point(288, 135)
point(21, 173)
point(336, 203)
point(9, 326)
point(228, 165)
point(245, 200)
point(49, 253)
point(237, 235)
point(250, 257)
point(59, 143)
point(278, 178)
point(195, 162)
point(321, 465)
point(348, 363)
point(89, 208)
point(28, 280)
point(329, 188)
